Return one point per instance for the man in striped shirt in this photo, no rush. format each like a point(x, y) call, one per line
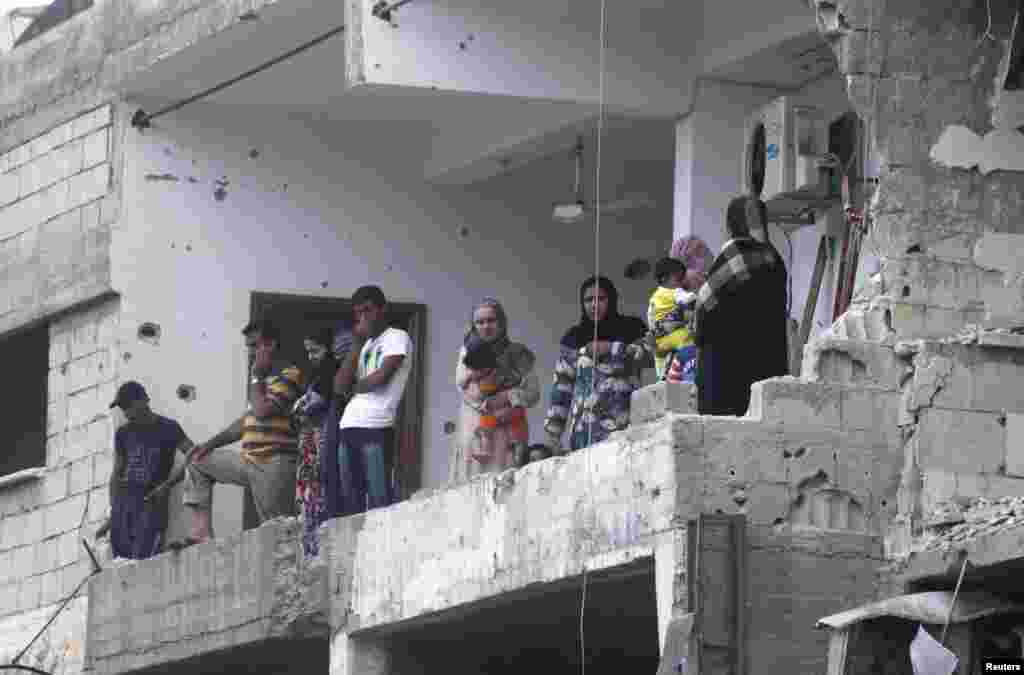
point(267, 459)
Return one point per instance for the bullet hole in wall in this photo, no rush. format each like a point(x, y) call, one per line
point(186, 392)
point(254, 153)
point(127, 356)
point(188, 247)
point(149, 332)
point(306, 236)
point(221, 192)
point(449, 428)
point(906, 291)
point(916, 248)
point(323, 284)
point(463, 232)
point(884, 503)
point(732, 472)
point(168, 151)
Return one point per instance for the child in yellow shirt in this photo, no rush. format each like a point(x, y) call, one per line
point(669, 316)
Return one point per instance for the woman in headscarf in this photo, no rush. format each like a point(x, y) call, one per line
point(741, 317)
point(695, 254)
point(310, 411)
point(597, 369)
point(489, 357)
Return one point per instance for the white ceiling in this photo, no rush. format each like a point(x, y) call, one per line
point(467, 135)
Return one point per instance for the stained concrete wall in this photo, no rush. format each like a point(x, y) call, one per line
point(236, 592)
point(57, 201)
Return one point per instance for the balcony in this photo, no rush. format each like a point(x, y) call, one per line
point(402, 588)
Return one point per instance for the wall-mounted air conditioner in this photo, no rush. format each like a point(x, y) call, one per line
point(785, 142)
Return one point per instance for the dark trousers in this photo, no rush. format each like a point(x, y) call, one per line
point(365, 462)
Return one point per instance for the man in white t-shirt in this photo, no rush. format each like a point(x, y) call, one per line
point(366, 450)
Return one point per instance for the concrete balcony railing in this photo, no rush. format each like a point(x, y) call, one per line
point(810, 470)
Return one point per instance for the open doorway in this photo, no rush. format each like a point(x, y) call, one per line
point(295, 315)
point(539, 629)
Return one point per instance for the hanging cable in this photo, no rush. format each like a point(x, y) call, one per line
point(141, 119)
point(602, 37)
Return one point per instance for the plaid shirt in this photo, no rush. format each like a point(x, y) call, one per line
point(735, 264)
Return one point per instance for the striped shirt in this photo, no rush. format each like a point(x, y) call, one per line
point(263, 437)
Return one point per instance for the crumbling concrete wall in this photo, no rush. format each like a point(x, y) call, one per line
point(233, 592)
point(914, 70)
point(58, 200)
point(816, 486)
point(42, 520)
point(960, 406)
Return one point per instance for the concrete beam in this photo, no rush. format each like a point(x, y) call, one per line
point(229, 593)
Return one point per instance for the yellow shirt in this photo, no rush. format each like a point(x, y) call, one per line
point(263, 437)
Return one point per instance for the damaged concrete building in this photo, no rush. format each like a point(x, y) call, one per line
point(152, 200)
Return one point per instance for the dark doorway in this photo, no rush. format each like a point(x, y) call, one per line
point(295, 315)
point(538, 630)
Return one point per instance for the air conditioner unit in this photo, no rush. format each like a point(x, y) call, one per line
point(785, 141)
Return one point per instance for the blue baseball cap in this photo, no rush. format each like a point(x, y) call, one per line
point(128, 393)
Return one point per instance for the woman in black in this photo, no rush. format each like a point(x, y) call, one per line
point(741, 318)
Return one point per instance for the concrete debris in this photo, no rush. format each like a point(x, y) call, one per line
point(950, 525)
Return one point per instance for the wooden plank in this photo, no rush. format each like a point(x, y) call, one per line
point(717, 566)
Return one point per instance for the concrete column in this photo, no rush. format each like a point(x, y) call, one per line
point(355, 656)
point(670, 580)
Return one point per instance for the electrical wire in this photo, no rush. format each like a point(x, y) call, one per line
point(602, 38)
point(67, 600)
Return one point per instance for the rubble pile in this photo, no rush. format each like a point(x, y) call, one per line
point(955, 524)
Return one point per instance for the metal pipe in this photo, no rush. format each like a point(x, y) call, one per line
point(141, 119)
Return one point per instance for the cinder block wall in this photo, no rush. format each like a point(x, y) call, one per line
point(43, 519)
point(57, 202)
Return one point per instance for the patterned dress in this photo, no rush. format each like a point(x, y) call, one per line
point(308, 493)
point(591, 400)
